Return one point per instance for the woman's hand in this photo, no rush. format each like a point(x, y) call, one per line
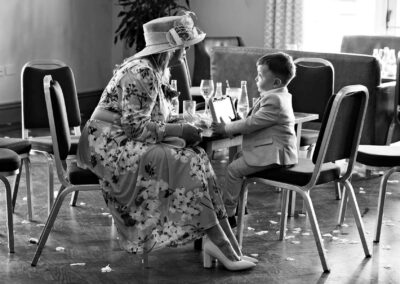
point(191, 134)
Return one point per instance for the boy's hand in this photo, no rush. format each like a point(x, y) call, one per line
point(219, 128)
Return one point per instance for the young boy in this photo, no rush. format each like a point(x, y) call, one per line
point(269, 139)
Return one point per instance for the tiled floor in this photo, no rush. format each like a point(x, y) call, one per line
point(89, 238)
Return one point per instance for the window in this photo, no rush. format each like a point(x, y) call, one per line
point(326, 21)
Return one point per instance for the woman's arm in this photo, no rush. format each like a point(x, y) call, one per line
point(139, 92)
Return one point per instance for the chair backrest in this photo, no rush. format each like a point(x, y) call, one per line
point(312, 86)
point(365, 44)
point(202, 53)
point(33, 104)
point(341, 127)
point(58, 121)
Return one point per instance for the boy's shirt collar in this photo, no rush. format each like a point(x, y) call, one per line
point(277, 90)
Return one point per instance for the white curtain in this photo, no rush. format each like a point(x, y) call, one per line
point(283, 24)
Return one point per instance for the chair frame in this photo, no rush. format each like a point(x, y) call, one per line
point(10, 225)
point(391, 134)
point(61, 166)
point(50, 64)
point(321, 63)
point(305, 190)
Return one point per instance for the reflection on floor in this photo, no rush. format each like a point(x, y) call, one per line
point(90, 239)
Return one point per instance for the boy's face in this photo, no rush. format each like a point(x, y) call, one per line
point(265, 79)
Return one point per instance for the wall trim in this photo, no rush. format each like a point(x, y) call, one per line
point(10, 113)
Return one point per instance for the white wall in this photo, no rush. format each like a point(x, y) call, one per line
point(243, 18)
point(78, 32)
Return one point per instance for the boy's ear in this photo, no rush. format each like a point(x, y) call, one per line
point(277, 82)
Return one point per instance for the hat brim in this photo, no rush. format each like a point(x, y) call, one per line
point(154, 49)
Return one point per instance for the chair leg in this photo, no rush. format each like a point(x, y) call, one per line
point(338, 190)
point(284, 213)
point(10, 224)
point(292, 203)
point(310, 151)
point(343, 206)
point(50, 196)
point(16, 186)
point(49, 225)
point(74, 198)
point(381, 202)
point(357, 216)
point(27, 163)
point(241, 211)
point(316, 231)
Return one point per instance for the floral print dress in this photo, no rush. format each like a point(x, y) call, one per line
point(158, 195)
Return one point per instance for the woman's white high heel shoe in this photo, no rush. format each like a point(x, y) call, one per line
point(210, 251)
point(249, 258)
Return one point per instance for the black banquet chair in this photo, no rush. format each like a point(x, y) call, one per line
point(338, 139)
point(10, 163)
point(34, 122)
point(381, 157)
point(72, 178)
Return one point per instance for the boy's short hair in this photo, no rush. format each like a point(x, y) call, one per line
point(281, 64)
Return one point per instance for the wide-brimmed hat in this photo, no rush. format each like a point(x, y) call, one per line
point(169, 33)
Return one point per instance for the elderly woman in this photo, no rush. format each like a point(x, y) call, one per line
point(158, 194)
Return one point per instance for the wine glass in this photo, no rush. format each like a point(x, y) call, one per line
point(206, 90)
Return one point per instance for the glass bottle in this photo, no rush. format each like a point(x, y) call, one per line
point(174, 100)
point(218, 91)
point(243, 103)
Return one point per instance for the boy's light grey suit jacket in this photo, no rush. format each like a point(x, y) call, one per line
point(268, 130)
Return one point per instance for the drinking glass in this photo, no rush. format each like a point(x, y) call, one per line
point(206, 90)
point(189, 110)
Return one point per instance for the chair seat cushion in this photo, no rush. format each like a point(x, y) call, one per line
point(20, 146)
point(308, 137)
point(45, 144)
point(9, 160)
point(379, 155)
point(78, 175)
point(300, 174)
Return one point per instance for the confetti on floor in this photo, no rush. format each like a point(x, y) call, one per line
point(345, 225)
point(25, 198)
point(273, 222)
point(305, 234)
point(25, 222)
point(336, 231)
point(78, 264)
point(254, 254)
point(295, 242)
point(328, 235)
point(250, 229)
point(60, 249)
point(289, 258)
point(388, 193)
point(392, 181)
point(40, 225)
point(260, 233)
point(302, 215)
point(289, 237)
point(82, 203)
point(279, 213)
point(361, 192)
point(33, 240)
point(106, 269)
